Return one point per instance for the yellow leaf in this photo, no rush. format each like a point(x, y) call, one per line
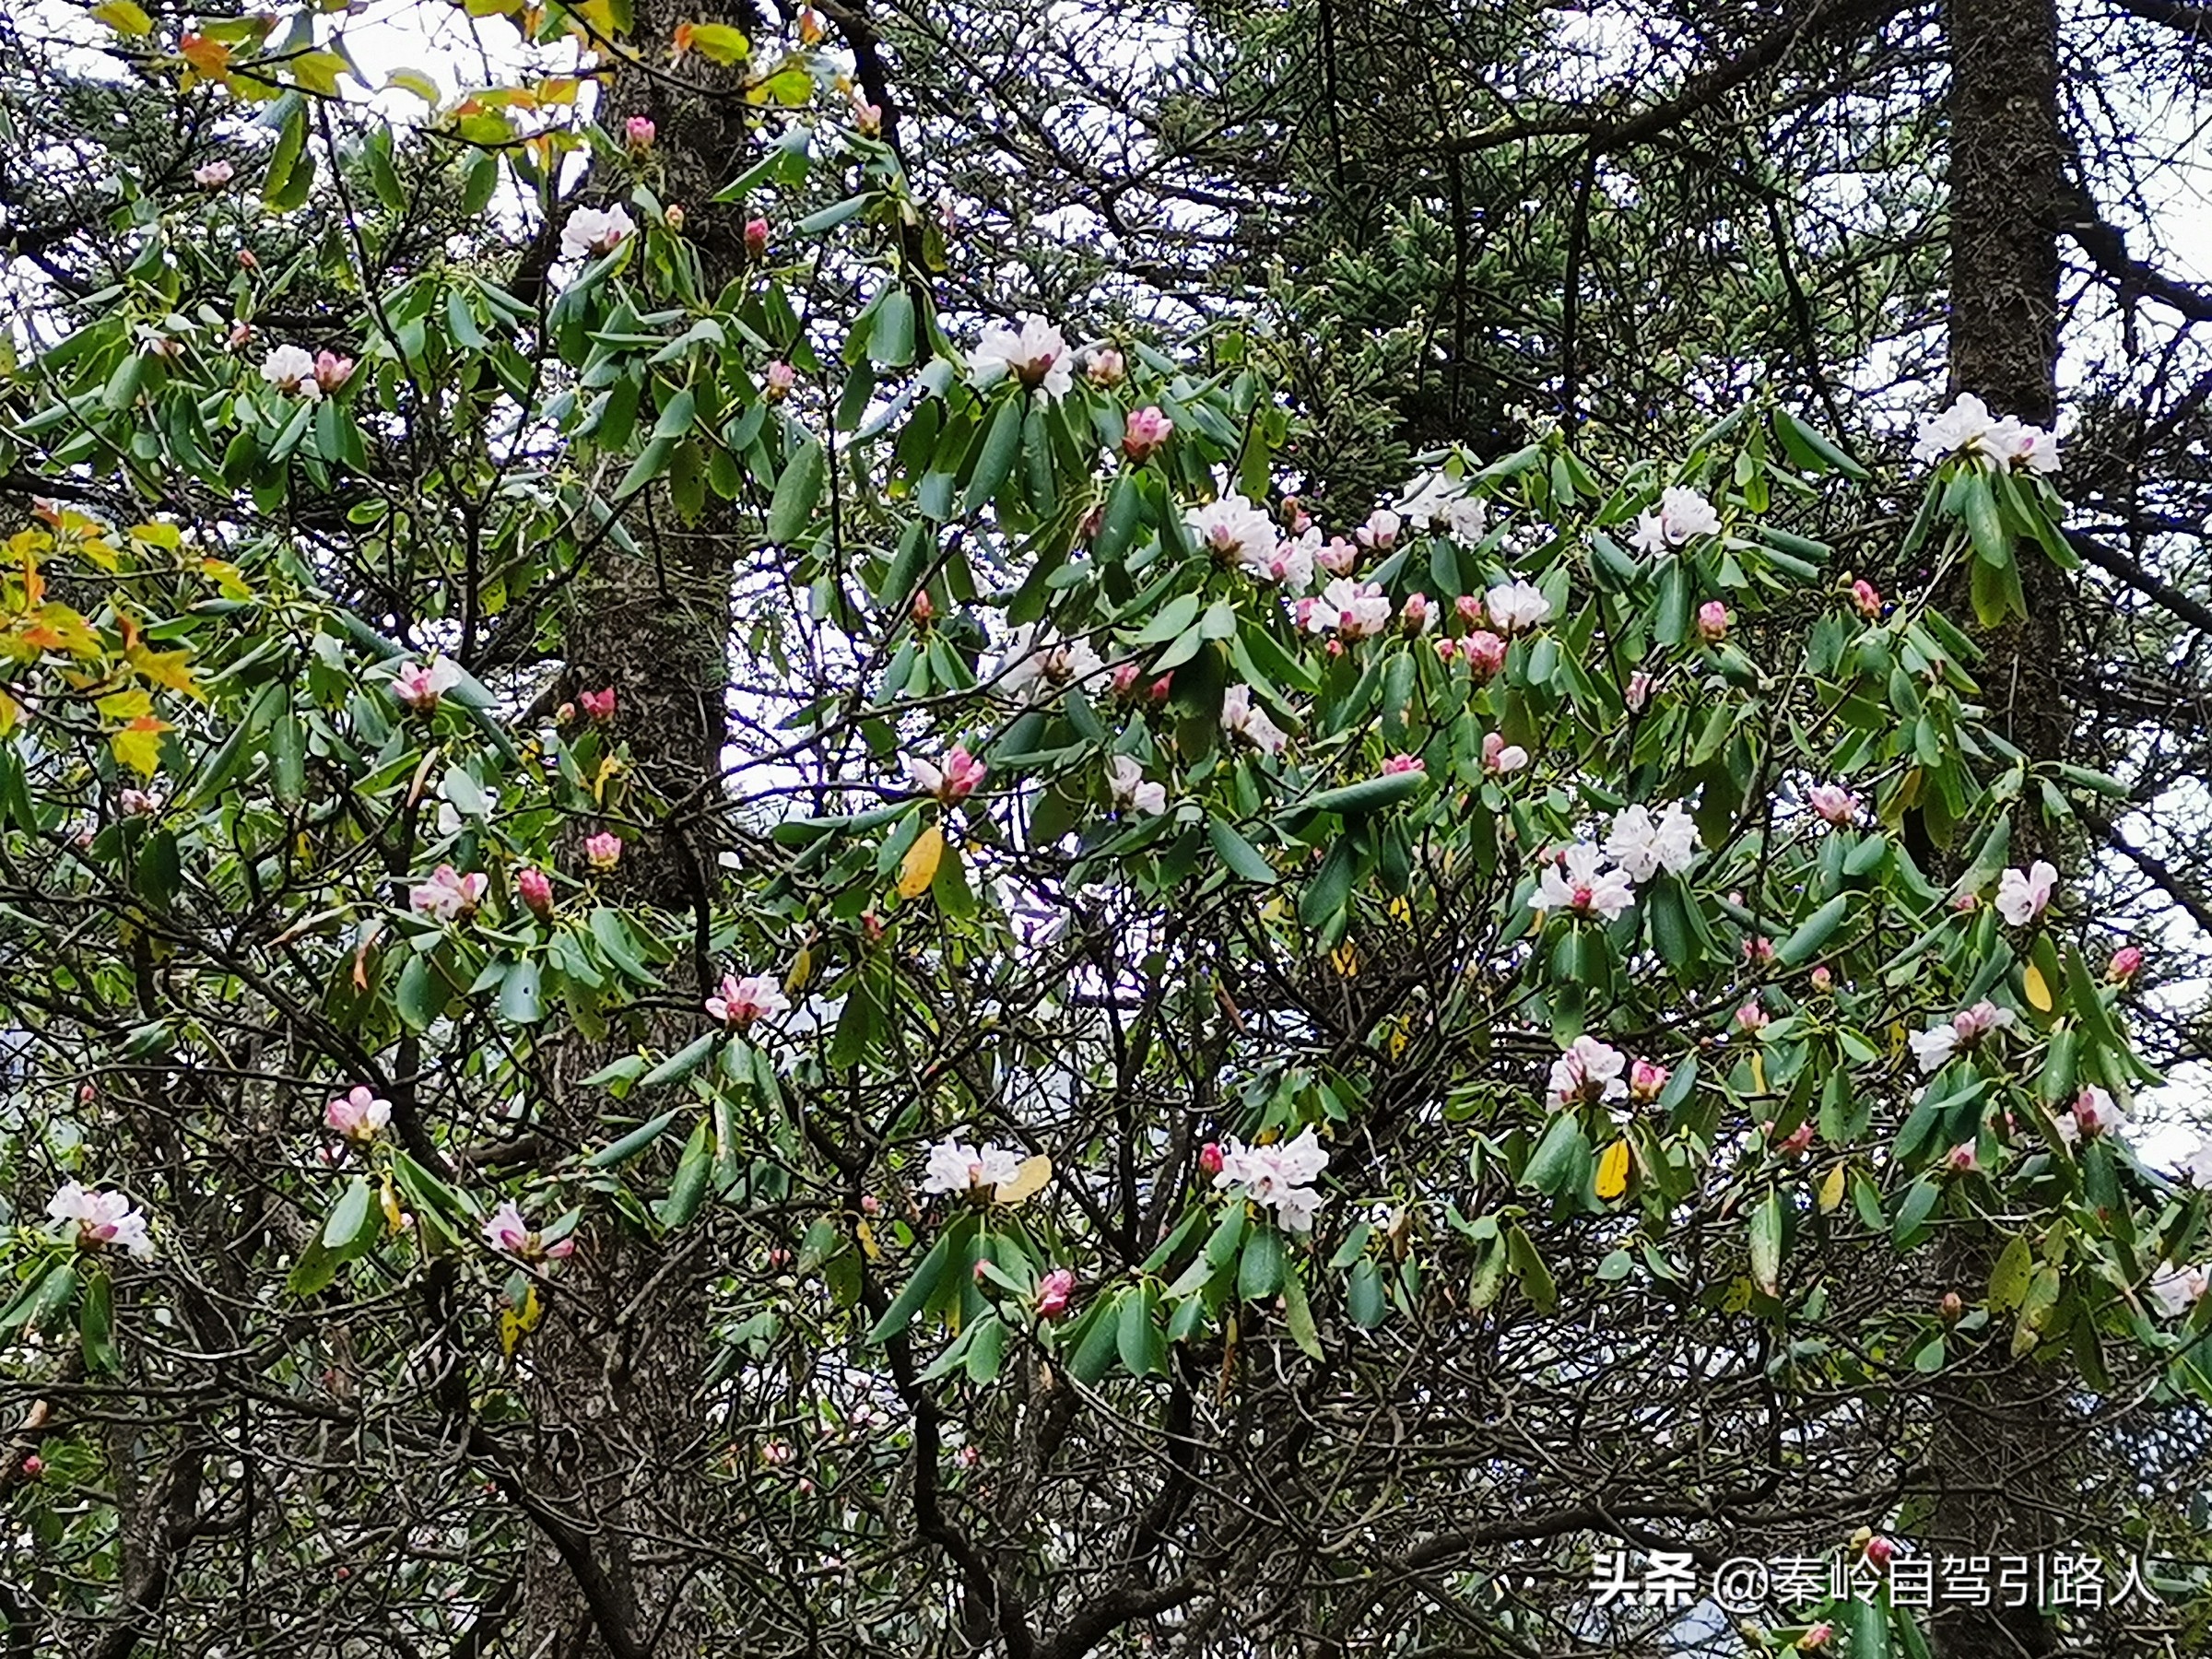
point(1832, 1189)
point(228, 577)
point(1030, 1178)
point(801, 969)
point(1759, 1073)
point(319, 71)
point(58, 628)
point(126, 705)
point(417, 82)
point(2039, 992)
point(125, 17)
point(919, 867)
point(1613, 1170)
point(10, 713)
point(138, 745)
point(1345, 959)
point(166, 537)
point(389, 1198)
point(518, 1322)
point(559, 90)
point(99, 551)
point(866, 1235)
point(716, 42)
point(209, 58)
point(170, 668)
point(1401, 910)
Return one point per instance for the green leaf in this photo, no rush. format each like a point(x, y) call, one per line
point(1536, 1283)
point(683, 1063)
point(1298, 1317)
point(995, 459)
point(520, 1001)
point(688, 1190)
point(1813, 934)
point(1243, 859)
point(1370, 795)
point(1260, 1267)
point(1560, 1164)
point(1766, 1243)
point(1137, 1336)
point(915, 1296)
point(797, 490)
point(635, 1142)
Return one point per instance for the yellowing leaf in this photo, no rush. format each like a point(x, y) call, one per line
point(319, 71)
point(125, 17)
point(138, 745)
point(1832, 1189)
point(11, 711)
point(1401, 910)
point(518, 1322)
point(866, 1235)
point(1030, 1178)
point(2039, 992)
point(559, 90)
point(126, 705)
point(389, 1198)
point(801, 969)
point(414, 81)
point(919, 867)
point(58, 628)
point(170, 668)
point(716, 41)
point(1613, 1170)
point(1345, 959)
point(1759, 1073)
point(210, 59)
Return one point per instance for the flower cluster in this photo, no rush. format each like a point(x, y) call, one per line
point(1593, 879)
point(448, 896)
point(1132, 790)
point(1279, 1176)
point(358, 1114)
point(595, 231)
point(1591, 1070)
point(954, 1166)
point(509, 1233)
point(736, 1004)
point(1966, 427)
point(1241, 717)
point(1035, 353)
point(1035, 667)
point(2023, 895)
point(1934, 1047)
point(1681, 513)
point(93, 1218)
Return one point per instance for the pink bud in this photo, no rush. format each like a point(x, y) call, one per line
point(1638, 691)
point(1751, 1018)
point(598, 705)
point(1880, 1551)
point(34, 1465)
point(1758, 950)
point(1053, 1292)
point(1468, 608)
point(672, 216)
point(1712, 621)
point(983, 1269)
point(1146, 431)
point(245, 258)
point(924, 608)
point(1107, 368)
point(1162, 689)
point(537, 890)
point(970, 1457)
point(1416, 615)
point(1646, 1080)
point(1868, 598)
point(603, 850)
point(779, 1257)
point(1962, 1160)
point(1797, 1141)
point(1816, 1636)
point(870, 1205)
point(1823, 981)
point(1209, 1158)
point(1124, 680)
point(2127, 961)
point(1966, 902)
point(638, 132)
point(332, 370)
point(1447, 649)
point(756, 237)
point(780, 377)
point(1951, 1307)
point(1402, 763)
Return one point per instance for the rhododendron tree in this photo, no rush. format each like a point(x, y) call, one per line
point(1348, 1018)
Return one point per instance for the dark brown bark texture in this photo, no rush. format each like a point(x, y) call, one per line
point(2001, 1445)
point(617, 1423)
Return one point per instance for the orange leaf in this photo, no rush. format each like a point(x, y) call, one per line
point(138, 745)
point(211, 58)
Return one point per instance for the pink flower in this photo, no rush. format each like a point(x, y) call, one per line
point(1517, 606)
point(1485, 653)
point(1402, 763)
point(1338, 557)
point(1816, 1636)
point(1797, 1141)
point(418, 686)
point(33, 1467)
point(141, 802)
point(953, 781)
point(510, 1233)
point(737, 1003)
point(603, 850)
point(1380, 532)
point(599, 705)
point(1054, 1291)
point(332, 370)
point(1880, 1551)
point(1416, 615)
point(1589, 1070)
point(1759, 948)
point(1468, 608)
point(448, 896)
point(1501, 757)
point(1751, 1018)
point(638, 132)
point(1107, 368)
point(1867, 597)
point(1147, 430)
point(2127, 961)
point(214, 175)
point(537, 890)
point(1823, 981)
point(358, 1113)
point(756, 237)
point(1834, 804)
point(1447, 649)
point(1961, 1159)
point(1646, 1080)
point(1638, 690)
point(1978, 1021)
point(1966, 902)
point(98, 1219)
point(1712, 621)
point(780, 378)
point(1124, 680)
point(2096, 1111)
point(1209, 1158)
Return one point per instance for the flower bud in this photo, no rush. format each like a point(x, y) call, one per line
point(1646, 1080)
point(780, 378)
point(672, 215)
point(1209, 1158)
point(1108, 368)
point(537, 890)
point(2127, 961)
point(638, 132)
point(1823, 981)
point(603, 850)
point(1712, 621)
point(756, 237)
point(1952, 1307)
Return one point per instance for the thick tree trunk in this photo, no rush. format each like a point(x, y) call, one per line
point(2002, 1445)
point(618, 1365)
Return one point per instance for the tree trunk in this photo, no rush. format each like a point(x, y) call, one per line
point(2002, 1444)
point(618, 1368)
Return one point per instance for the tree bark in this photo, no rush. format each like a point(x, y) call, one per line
point(2001, 1444)
point(620, 1424)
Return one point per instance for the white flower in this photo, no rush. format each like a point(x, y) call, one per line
point(594, 230)
point(1244, 717)
point(1517, 606)
point(1132, 790)
point(1589, 1070)
point(1035, 353)
point(291, 369)
point(212, 175)
point(1433, 497)
point(1287, 564)
point(448, 895)
point(2198, 1165)
point(1682, 513)
point(2177, 1290)
point(1934, 1047)
point(1354, 610)
point(956, 1167)
point(2093, 1113)
point(1579, 881)
point(1279, 1176)
point(1960, 426)
point(2022, 895)
point(1236, 532)
point(2013, 442)
point(94, 1218)
point(1643, 845)
point(1037, 667)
